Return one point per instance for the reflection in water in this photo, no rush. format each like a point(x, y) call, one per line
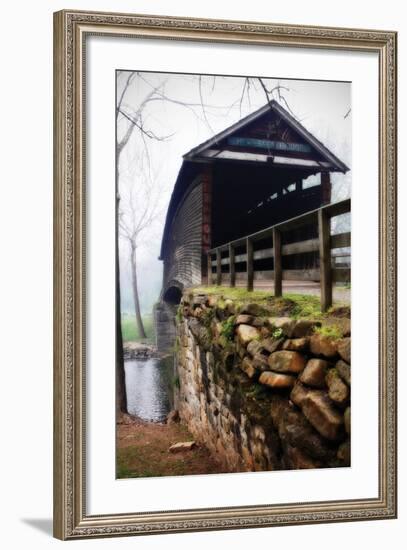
point(149, 387)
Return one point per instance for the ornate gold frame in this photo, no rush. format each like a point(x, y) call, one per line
point(70, 31)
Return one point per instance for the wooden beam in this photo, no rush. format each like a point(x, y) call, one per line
point(311, 275)
point(310, 245)
point(218, 267)
point(278, 271)
point(332, 210)
point(326, 187)
point(324, 230)
point(337, 208)
point(232, 270)
point(341, 240)
point(249, 264)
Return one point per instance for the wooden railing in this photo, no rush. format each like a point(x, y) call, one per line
point(254, 250)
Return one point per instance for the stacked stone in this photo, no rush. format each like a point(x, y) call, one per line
point(263, 392)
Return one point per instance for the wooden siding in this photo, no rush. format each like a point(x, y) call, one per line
point(183, 254)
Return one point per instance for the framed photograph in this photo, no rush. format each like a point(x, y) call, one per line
point(225, 263)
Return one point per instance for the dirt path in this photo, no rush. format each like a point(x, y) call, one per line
point(143, 451)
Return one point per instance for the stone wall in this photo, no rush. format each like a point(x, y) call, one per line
point(263, 392)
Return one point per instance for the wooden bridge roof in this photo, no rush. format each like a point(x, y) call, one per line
point(270, 137)
point(270, 134)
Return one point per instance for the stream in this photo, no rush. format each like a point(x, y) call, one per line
point(149, 387)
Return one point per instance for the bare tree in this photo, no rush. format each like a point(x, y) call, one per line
point(136, 211)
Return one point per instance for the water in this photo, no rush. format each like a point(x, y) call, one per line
point(149, 387)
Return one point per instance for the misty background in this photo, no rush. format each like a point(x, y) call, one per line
point(182, 112)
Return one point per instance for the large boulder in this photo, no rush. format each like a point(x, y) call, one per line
point(344, 348)
point(247, 333)
point(260, 362)
point(244, 319)
point(247, 366)
point(278, 381)
point(343, 371)
point(320, 412)
point(298, 394)
point(296, 344)
point(323, 345)
point(285, 324)
point(314, 373)
point(254, 347)
point(304, 327)
point(338, 391)
point(272, 344)
point(286, 361)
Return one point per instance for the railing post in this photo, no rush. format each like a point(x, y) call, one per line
point(232, 269)
point(209, 264)
point(324, 232)
point(218, 267)
point(278, 271)
point(249, 264)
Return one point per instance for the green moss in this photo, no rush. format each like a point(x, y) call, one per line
point(305, 306)
point(180, 314)
point(332, 331)
point(277, 333)
point(220, 304)
point(234, 294)
point(207, 317)
point(228, 328)
point(296, 306)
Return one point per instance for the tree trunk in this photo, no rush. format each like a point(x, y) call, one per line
point(139, 320)
point(121, 398)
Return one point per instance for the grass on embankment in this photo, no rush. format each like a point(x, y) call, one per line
point(296, 306)
point(130, 332)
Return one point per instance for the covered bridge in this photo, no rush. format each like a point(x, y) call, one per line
point(249, 177)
